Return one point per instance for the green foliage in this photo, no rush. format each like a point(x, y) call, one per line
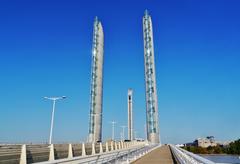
point(208, 150)
point(232, 148)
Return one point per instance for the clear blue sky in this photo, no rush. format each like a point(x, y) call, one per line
point(45, 50)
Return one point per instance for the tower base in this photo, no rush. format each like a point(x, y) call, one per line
point(153, 138)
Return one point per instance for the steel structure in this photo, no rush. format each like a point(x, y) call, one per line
point(130, 114)
point(95, 125)
point(150, 81)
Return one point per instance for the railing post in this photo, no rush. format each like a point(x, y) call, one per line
point(93, 148)
point(70, 151)
point(111, 145)
point(107, 147)
point(23, 158)
point(115, 145)
point(122, 146)
point(51, 153)
point(101, 148)
point(83, 150)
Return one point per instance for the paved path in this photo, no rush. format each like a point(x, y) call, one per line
point(160, 155)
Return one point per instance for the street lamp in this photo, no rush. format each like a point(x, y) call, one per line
point(135, 134)
point(145, 130)
point(123, 129)
point(54, 99)
point(113, 124)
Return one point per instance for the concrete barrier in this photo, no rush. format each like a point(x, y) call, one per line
point(23, 157)
point(107, 150)
point(83, 150)
point(70, 151)
point(51, 153)
point(112, 146)
point(101, 148)
point(93, 149)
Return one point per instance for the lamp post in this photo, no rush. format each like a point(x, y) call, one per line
point(54, 99)
point(123, 134)
point(145, 130)
point(113, 124)
point(135, 135)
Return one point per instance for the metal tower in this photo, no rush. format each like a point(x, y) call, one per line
point(130, 114)
point(95, 125)
point(150, 81)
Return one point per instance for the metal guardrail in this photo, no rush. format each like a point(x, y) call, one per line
point(185, 157)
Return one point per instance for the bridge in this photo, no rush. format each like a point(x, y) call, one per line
point(136, 152)
point(96, 151)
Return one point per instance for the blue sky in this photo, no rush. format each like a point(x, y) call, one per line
point(45, 50)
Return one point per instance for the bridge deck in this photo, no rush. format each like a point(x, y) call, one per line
point(161, 155)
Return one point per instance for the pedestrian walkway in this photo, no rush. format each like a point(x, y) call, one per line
point(160, 155)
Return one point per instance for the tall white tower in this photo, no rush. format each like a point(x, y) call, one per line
point(95, 125)
point(130, 114)
point(150, 81)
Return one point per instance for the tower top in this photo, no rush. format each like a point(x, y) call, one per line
point(96, 19)
point(146, 13)
point(130, 91)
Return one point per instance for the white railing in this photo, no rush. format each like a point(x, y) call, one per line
point(185, 157)
point(110, 157)
point(109, 152)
